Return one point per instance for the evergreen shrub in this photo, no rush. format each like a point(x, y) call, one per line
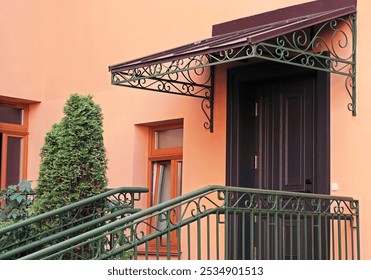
point(73, 158)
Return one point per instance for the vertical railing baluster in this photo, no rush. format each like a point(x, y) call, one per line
point(275, 229)
point(243, 235)
point(283, 235)
point(199, 239)
point(267, 229)
point(208, 236)
point(235, 237)
point(189, 240)
point(252, 238)
point(319, 238)
point(226, 234)
point(291, 237)
point(333, 235)
point(305, 242)
point(157, 248)
point(298, 244)
point(313, 238)
point(327, 236)
point(146, 251)
point(217, 238)
point(339, 236)
point(135, 252)
point(168, 245)
point(345, 237)
point(352, 236)
point(259, 251)
point(357, 228)
point(178, 234)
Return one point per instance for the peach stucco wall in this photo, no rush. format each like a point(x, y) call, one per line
point(52, 48)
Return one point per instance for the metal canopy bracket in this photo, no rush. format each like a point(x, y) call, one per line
point(191, 76)
point(329, 46)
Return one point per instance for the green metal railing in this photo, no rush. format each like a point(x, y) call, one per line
point(63, 223)
point(225, 223)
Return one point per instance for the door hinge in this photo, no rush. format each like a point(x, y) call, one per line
point(255, 162)
point(256, 109)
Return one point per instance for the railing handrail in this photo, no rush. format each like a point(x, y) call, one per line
point(72, 206)
point(163, 206)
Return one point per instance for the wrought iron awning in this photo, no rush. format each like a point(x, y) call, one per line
point(322, 36)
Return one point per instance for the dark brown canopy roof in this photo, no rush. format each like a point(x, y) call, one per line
point(292, 35)
point(251, 30)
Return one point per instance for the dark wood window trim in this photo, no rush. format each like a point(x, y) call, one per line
point(16, 127)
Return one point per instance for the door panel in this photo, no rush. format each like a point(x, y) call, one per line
point(297, 132)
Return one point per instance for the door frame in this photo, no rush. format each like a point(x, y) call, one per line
point(273, 71)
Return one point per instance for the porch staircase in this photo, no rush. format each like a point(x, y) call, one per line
point(215, 222)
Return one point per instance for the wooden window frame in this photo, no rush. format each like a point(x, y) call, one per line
point(18, 131)
point(16, 127)
point(172, 156)
point(163, 152)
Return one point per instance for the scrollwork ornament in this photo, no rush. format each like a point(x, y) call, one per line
point(272, 202)
point(297, 205)
point(338, 208)
point(300, 39)
point(251, 202)
point(205, 106)
point(317, 204)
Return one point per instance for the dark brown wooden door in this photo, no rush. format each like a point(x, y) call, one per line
point(278, 135)
point(283, 154)
point(278, 128)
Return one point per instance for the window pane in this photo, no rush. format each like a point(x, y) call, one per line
point(14, 160)
point(162, 188)
point(179, 178)
point(11, 115)
point(170, 138)
point(164, 184)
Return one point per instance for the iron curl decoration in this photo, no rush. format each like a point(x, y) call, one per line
point(272, 201)
point(221, 195)
point(350, 86)
point(354, 206)
point(338, 208)
point(198, 210)
point(251, 202)
point(297, 205)
point(206, 104)
point(330, 41)
point(318, 205)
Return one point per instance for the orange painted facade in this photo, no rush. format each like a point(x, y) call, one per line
point(50, 49)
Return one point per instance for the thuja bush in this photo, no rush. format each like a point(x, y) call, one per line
point(73, 158)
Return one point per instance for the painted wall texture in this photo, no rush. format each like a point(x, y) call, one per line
point(52, 48)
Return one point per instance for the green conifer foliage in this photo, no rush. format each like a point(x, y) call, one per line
point(73, 159)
